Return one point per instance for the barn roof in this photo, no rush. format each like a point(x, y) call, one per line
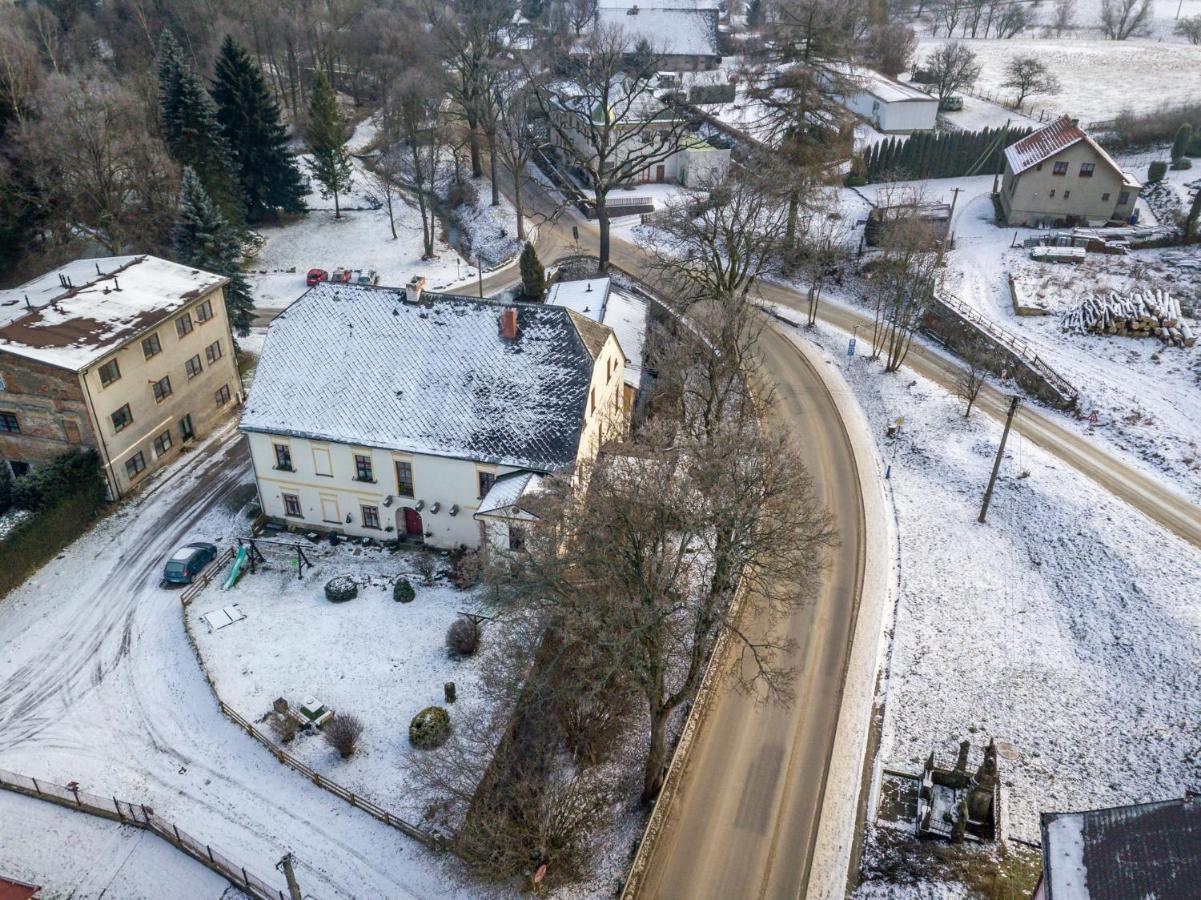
point(363, 365)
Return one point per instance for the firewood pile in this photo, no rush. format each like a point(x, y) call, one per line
point(1146, 313)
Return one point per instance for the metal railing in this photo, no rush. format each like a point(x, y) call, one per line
point(142, 816)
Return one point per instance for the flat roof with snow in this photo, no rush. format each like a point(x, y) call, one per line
point(80, 312)
point(623, 312)
point(363, 365)
point(887, 90)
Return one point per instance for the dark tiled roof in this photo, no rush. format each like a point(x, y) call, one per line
point(359, 365)
point(1124, 853)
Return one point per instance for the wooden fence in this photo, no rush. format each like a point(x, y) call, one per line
point(141, 816)
point(206, 575)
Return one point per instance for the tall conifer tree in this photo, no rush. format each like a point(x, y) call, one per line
point(250, 121)
point(326, 136)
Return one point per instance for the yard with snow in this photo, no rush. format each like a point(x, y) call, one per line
point(1067, 626)
point(373, 657)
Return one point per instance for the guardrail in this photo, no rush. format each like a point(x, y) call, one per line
point(142, 816)
point(622, 202)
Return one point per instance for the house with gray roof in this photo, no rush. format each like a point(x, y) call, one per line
point(395, 412)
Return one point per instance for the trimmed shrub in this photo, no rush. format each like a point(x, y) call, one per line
point(1182, 163)
point(1156, 171)
point(463, 637)
point(342, 733)
point(402, 591)
point(341, 588)
point(430, 728)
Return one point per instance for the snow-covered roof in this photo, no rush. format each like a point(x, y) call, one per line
point(586, 296)
point(1148, 850)
point(620, 310)
point(672, 32)
point(1052, 139)
point(507, 491)
point(362, 365)
point(888, 90)
point(78, 313)
point(714, 5)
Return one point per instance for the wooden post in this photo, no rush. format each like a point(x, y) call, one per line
point(996, 466)
point(175, 828)
point(290, 874)
point(209, 850)
point(117, 807)
point(245, 878)
point(35, 786)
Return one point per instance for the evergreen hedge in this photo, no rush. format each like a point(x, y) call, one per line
point(64, 497)
point(939, 154)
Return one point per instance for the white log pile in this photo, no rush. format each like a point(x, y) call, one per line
point(1148, 313)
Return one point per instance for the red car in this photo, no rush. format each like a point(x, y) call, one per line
point(315, 277)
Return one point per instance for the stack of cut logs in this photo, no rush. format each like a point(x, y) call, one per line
point(1146, 313)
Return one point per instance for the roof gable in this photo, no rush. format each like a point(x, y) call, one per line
point(1050, 141)
point(360, 365)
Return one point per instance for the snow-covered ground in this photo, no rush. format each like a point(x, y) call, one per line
point(98, 685)
point(361, 239)
point(11, 519)
point(489, 233)
point(1099, 78)
point(81, 856)
point(380, 660)
point(1067, 626)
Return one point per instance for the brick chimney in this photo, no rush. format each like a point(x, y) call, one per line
point(508, 324)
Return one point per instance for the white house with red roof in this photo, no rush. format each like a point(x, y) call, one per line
point(1061, 176)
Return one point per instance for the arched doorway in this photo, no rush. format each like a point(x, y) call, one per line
point(409, 523)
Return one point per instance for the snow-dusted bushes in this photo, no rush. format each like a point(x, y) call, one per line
point(341, 588)
point(343, 733)
point(430, 728)
point(402, 591)
point(463, 637)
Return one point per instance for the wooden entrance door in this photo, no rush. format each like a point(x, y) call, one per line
point(660, 173)
point(413, 522)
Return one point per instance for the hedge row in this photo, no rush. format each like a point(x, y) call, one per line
point(939, 154)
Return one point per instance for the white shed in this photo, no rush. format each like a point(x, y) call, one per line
point(892, 106)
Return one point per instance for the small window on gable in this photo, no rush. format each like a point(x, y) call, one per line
point(1061, 168)
point(1087, 169)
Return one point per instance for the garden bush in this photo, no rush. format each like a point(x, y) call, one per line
point(402, 591)
point(463, 637)
point(341, 588)
point(77, 472)
point(1156, 171)
point(430, 728)
point(426, 567)
point(1183, 163)
point(342, 733)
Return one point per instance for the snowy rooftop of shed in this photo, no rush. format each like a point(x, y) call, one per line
point(674, 32)
point(507, 491)
point(886, 89)
point(360, 365)
point(1148, 850)
point(78, 313)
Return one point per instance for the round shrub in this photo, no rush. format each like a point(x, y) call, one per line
point(341, 588)
point(402, 591)
point(463, 637)
point(430, 728)
point(1183, 163)
point(1157, 170)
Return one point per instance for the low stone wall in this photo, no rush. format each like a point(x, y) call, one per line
point(957, 332)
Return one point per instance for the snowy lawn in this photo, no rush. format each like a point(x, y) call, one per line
point(1067, 626)
point(381, 660)
point(1099, 78)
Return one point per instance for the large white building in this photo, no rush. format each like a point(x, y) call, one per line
point(388, 412)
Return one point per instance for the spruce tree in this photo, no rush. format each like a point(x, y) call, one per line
point(326, 136)
point(203, 239)
point(250, 121)
point(533, 275)
point(191, 131)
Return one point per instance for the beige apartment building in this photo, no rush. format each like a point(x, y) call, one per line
point(406, 414)
point(132, 356)
point(1060, 176)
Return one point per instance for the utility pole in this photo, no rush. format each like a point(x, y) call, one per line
point(996, 466)
point(293, 887)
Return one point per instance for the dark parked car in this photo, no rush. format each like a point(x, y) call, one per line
point(186, 562)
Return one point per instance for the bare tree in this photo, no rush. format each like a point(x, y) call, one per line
point(381, 175)
point(343, 733)
point(580, 13)
point(1122, 19)
point(825, 245)
point(891, 48)
point(971, 378)
point(606, 119)
point(953, 68)
point(1026, 75)
point(1065, 14)
point(517, 141)
point(1189, 28)
point(415, 144)
point(904, 279)
point(716, 248)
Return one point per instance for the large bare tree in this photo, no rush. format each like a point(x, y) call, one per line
point(414, 145)
point(606, 118)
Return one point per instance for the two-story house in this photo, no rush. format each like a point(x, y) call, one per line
point(390, 413)
point(1061, 176)
point(131, 355)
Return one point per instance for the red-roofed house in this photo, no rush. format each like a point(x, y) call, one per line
point(1061, 176)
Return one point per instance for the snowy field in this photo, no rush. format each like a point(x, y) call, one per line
point(380, 660)
point(81, 856)
point(1067, 626)
point(1099, 78)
